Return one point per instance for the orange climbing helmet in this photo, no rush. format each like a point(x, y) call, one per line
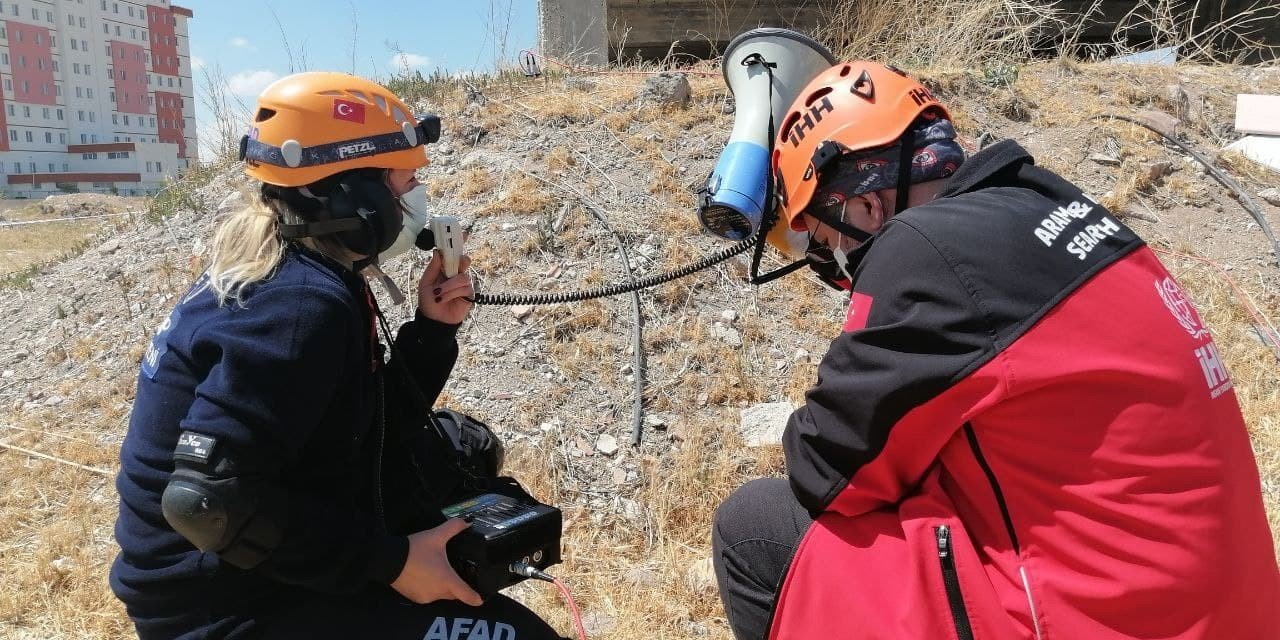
point(312, 125)
point(851, 107)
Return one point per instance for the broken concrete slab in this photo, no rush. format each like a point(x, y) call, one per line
point(1264, 150)
point(1259, 114)
point(1165, 56)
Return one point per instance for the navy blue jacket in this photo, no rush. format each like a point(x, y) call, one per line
point(289, 376)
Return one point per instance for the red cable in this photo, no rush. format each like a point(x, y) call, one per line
point(606, 72)
point(1260, 322)
point(573, 608)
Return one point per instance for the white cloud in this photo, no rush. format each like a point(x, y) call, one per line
point(240, 42)
point(408, 61)
point(251, 83)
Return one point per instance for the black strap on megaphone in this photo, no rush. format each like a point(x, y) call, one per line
point(770, 213)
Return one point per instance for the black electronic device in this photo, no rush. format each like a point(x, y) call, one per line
point(504, 531)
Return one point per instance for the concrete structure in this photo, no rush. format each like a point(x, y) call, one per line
point(97, 96)
point(595, 32)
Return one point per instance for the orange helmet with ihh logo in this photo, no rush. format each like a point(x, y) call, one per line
point(312, 125)
point(853, 106)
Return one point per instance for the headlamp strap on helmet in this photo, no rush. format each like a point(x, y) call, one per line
point(292, 155)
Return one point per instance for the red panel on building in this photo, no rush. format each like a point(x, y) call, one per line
point(169, 123)
point(129, 72)
point(4, 127)
point(31, 59)
point(164, 40)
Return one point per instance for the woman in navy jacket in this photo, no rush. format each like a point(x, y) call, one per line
point(263, 492)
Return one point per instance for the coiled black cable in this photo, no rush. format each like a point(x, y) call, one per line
point(533, 299)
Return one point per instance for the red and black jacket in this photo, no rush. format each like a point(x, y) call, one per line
point(1025, 431)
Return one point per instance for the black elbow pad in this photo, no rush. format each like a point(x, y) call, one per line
point(222, 503)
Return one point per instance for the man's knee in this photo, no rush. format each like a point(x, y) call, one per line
point(751, 507)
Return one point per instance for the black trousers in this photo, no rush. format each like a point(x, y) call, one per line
point(383, 615)
point(754, 537)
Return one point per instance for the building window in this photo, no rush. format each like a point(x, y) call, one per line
point(79, 92)
point(71, 20)
point(40, 63)
point(114, 119)
point(17, 167)
point(8, 84)
point(117, 29)
point(45, 113)
point(153, 122)
point(130, 11)
point(4, 57)
point(115, 8)
point(38, 38)
point(13, 135)
point(57, 90)
point(93, 117)
point(62, 139)
point(66, 167)
point(30, 138)
point(75, 67)
point(126, 119)
point(33, 166)
point(106, 28)
point(26, 111)
point(88, 93)
point(55, 65)
point(48, 138)
point(81, 23)
point(52, 167)
point(26, 87)
point(81, 115)
point(113, 96)
point(84, 138)
point(73, 44)
point(108, 48)
point(59, 114)
point(22, 61)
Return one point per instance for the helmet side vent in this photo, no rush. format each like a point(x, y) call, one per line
point(813, 97)
point(264, 114)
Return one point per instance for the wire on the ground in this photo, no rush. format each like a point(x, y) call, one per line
point(1225, 180)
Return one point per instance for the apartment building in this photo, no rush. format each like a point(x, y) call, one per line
point(96, 96)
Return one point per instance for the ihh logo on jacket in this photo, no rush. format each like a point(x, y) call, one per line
point(1180, 307)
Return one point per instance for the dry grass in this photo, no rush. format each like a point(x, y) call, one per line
point(25, 249)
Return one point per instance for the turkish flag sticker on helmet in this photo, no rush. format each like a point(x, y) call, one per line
point(855, 318)
point(349, 111)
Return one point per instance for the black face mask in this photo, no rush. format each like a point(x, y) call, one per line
point(821, 260)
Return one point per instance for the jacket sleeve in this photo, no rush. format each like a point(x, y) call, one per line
point(879, 413)
point(277, 361)
point(426, 351)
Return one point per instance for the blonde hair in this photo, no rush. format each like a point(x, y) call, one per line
point(247, 247)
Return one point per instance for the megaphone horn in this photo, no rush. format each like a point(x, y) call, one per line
point(765, 70)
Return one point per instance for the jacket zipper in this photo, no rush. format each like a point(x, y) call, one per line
point(951, 581)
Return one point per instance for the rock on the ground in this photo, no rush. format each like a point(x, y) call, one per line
point(1162, 121)
point(607, 444)
point(1272, 196)
point(728, 335)
point(762, 424)
point(667, 88)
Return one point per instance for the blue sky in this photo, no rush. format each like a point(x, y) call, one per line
point(242, 38)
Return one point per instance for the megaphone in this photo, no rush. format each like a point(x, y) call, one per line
point(765, 70)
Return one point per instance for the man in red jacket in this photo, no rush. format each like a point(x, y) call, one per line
point(1025, 429)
